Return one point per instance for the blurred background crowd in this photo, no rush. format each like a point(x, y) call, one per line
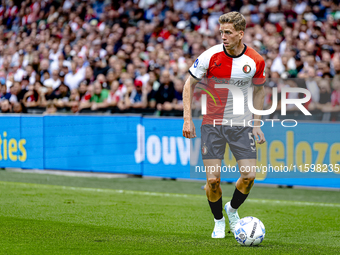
point(133, 56)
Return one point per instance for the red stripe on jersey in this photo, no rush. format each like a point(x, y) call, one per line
point(220, 67)
point(259, 77)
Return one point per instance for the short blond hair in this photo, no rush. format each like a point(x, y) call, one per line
point(235, 18)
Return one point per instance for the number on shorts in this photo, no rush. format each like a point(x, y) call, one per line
point(253, 142)
point(251, 138)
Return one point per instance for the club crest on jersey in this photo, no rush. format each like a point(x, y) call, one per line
point(196, 63)
point(246, 68)
point(204, 150)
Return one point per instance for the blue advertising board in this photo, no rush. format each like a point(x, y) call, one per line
point(21, 142)
point(91, 143)
point(164, 151)
point(307, 154)
point(32, 140)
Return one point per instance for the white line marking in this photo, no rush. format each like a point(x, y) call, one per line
point(161, 194)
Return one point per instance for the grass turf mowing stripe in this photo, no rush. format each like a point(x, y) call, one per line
point(52, 219)
point(161, 194)
point(169, 186)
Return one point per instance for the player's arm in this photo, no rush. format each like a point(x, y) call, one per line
point(188, 91)
point(259, 80)
point(197, 72)
point(258, 98)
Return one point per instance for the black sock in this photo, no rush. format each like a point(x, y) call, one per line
point(216, 209)
point(238, 199)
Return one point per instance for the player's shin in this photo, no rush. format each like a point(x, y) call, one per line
point(244, 184)
point(237, 200)
point(242, 189)
point(214, 195)
point(216, 208)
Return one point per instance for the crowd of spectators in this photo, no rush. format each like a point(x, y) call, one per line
point(134, 55)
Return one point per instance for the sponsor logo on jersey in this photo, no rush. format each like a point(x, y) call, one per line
point(230, 81)
point(196, 63)
point(218, 66)
point(246, 68)
point(240, 83)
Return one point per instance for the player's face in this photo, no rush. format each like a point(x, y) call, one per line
point(230, 37)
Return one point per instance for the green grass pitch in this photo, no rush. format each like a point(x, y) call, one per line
point(47, 214)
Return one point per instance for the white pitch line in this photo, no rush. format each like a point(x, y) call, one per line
point(289, 202)
point(161, 194)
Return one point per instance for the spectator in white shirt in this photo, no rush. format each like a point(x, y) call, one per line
point(54, 53)
point(73, 79)
point(54, 81)
point(143, 75)
point(19, 73)
point(300, 7)
point(60, 63)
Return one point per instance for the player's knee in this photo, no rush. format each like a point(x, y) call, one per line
point(214, 183)
point(248, 180)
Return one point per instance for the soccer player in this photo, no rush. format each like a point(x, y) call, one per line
point(230, 62)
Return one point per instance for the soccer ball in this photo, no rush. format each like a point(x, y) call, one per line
point(249, 231)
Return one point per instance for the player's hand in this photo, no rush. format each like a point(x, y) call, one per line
point(189, 129)
point(257, 132)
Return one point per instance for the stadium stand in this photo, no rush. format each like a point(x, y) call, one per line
point(133, 56)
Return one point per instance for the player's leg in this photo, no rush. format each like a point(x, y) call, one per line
point(213, 188)
point(245, 182)
point(242, 189)
point(213, 147)
point(243, 148)
point(214, 195)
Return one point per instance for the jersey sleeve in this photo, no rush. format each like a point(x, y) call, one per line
point(200, 66)
point(259, 78)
